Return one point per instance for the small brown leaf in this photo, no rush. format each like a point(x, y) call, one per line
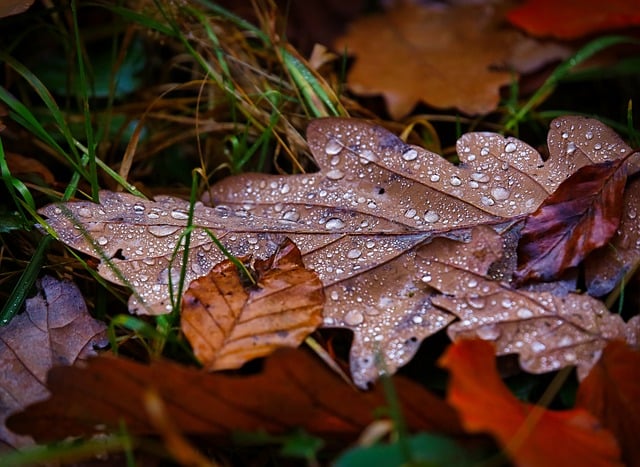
point(611, 392)
point(294, 390)
point(228, 323)
point(55, 329)
point(528, 433)
point(580, 216)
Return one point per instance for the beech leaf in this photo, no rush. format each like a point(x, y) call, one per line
point(358, 222)
point(529, 434)
point(55, 329)
point(294, 390)
point(611, 392)
point(228, 323)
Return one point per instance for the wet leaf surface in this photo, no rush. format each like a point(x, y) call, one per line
point(229, 323)
point(293, 390)
point(443, 55)
point(611, 392)
point(55, 329)
point(358, 223)
point(529, 434)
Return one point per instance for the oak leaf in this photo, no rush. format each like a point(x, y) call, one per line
point(529, 434)
point(358, 222)
point(228, 323)
point(55, 329)
point(611, 392)
point(574, 18)
point(443, 55)
point(294, 390)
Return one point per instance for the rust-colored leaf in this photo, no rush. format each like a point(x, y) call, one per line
point(580, 216)
point(294, 390)
point(547, 330)
point(611, 392)
point(572, 19)
point(529, 434)
point(444, 55)
point(358, 222)
point(55, 329)
point(229, 323)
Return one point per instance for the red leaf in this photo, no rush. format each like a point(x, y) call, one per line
point(294, 390)
point(571, 19)
point(580, 216)
point(611, 392)
point(529, 434)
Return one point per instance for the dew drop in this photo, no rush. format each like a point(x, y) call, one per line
point(455, 181)
point(487, 201)
point(372, 205)
point(153, 215)
point(291, 216)
point(353, 318)
point(102, 241)
point(632, 213)
point(334, 224)
point(480, 177)
point(435, 178)
point(588, 135)
point(180, 215)
point(484, 151)
point(524, 313)
point(417, 319)
point(472, 283)
point(370, 244)
point(500, 193)
point(426, 278)
point(138, 208)
point(537, 346)
point(84, 212)
point(565, 135)
point(410, 213)
point(367, 156)
point(476, 302)
point(410, 155)
point(431, 216)
point(163, 230)
point(333, 147)
point(334, 295)
point(354, 253)
point(510, 147)
point(571, 147)
point(489, 332)
point(597, 146)
point(335, 174)
point(284, 189)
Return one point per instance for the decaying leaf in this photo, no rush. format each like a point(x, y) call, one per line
point(611, 392)
point(580, 216)
point(574, 18)
point(293, 390)
point(55, 329)
point(444, 55)
point(529, 434)
point(358, 222)
point(548, 330)
point(228, 323)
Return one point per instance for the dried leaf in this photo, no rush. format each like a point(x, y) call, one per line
point(294, 390)
point(228, 324)
point(611, 392)
point(55, 329)
point(358, 222)
point(444, 55)
point(548, 331)
point(529, 434)
point(14, 7)
point(573, 19)
point(580, 216)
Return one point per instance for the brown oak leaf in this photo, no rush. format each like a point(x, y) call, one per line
point(358, 222)
point(228, 323)
point(529, 434)
point(55, 329)
point(444, 55)
point(294, 390)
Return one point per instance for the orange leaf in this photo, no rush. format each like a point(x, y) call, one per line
point(571, 19)
point(528, 433)
point(229, 324)
point(612, 393)
point(294, 390)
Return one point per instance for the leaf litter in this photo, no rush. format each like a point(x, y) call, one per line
point(359, 222)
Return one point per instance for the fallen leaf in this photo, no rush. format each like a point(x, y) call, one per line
point(529, 434)
point(611, 392)
point(606, 266)
point(443, 55)
point(294, 390)
point(21, 165)
point(14, 7)
point(55, 329)
point(228, 323)
point(580, 216)
point(574, 19)
point(547, 330)
point(358, 222)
